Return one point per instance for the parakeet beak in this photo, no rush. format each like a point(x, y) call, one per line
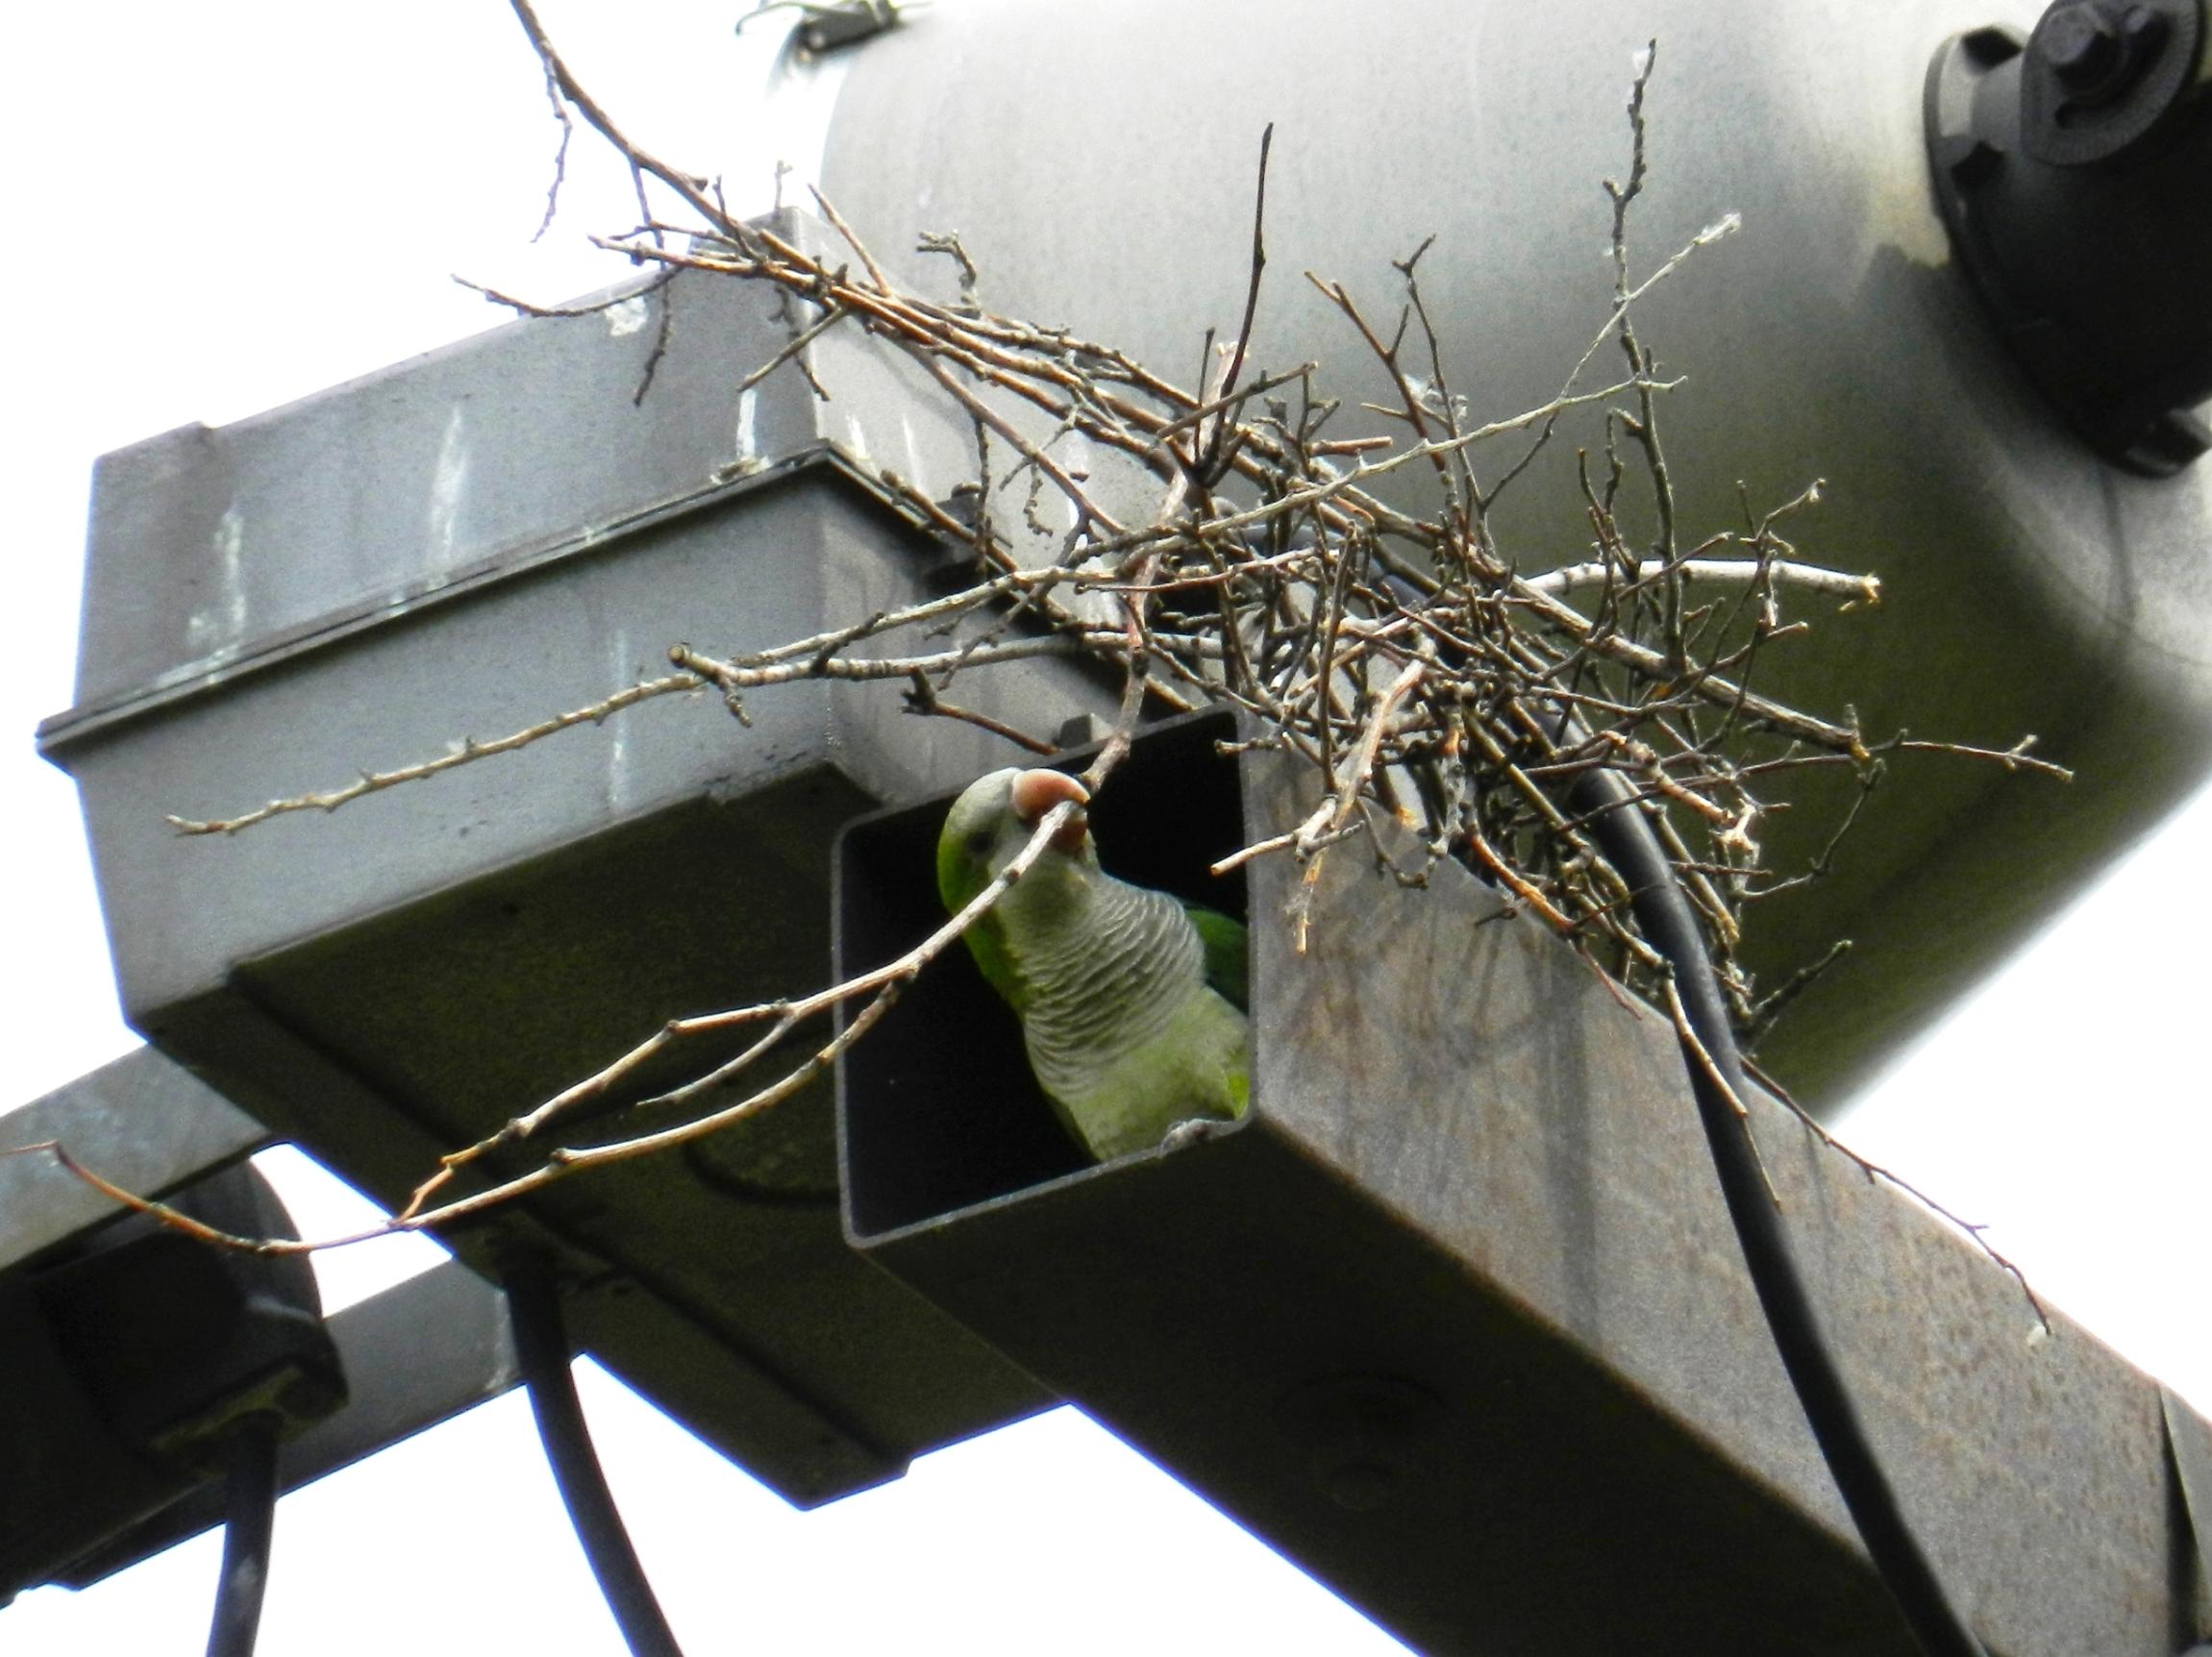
point(1036, 792)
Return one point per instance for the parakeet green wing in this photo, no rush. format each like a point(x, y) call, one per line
point(1228, 954)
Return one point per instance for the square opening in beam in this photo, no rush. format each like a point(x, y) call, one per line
point(938, 1110)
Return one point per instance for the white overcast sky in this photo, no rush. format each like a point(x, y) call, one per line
point(216, 207)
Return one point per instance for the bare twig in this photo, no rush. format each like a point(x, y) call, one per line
point(464, 752)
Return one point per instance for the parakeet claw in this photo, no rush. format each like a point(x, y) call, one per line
point(1192, 1132)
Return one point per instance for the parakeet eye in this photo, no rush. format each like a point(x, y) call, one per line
point(978, 843)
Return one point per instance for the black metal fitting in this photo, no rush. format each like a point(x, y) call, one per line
point(2074, 167)
point(175, 1338)
point(2104, 76)
point(126, 1363)
point(2080, 47)
point(824, 25)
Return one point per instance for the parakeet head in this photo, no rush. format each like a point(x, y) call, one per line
point(990, 823)
point(994, 818)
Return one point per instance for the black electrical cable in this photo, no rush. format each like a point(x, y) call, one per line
point(1671, 927)
point(541, 1344)
point(248, 1523)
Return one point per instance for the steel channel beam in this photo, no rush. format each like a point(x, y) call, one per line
point(1455, 1318)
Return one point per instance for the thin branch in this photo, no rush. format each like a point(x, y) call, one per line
point(1217, 449)
point(560, 154)
point(466, 752)
point(923, 698)
point(694, 195)
point(1862, 589)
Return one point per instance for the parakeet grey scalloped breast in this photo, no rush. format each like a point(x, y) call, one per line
point(1132, 1001)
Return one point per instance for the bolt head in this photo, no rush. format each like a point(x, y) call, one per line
point(2143, 29)
point(2079, 43)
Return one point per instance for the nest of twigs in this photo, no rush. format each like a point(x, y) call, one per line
point(1403, 654)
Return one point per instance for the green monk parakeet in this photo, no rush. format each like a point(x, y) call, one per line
point(1132, 1001)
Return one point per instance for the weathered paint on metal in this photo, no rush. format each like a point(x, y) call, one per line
point(144, 1122)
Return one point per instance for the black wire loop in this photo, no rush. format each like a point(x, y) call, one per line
point(541, 1344)
point(249, 1525)
point(1671, 927)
